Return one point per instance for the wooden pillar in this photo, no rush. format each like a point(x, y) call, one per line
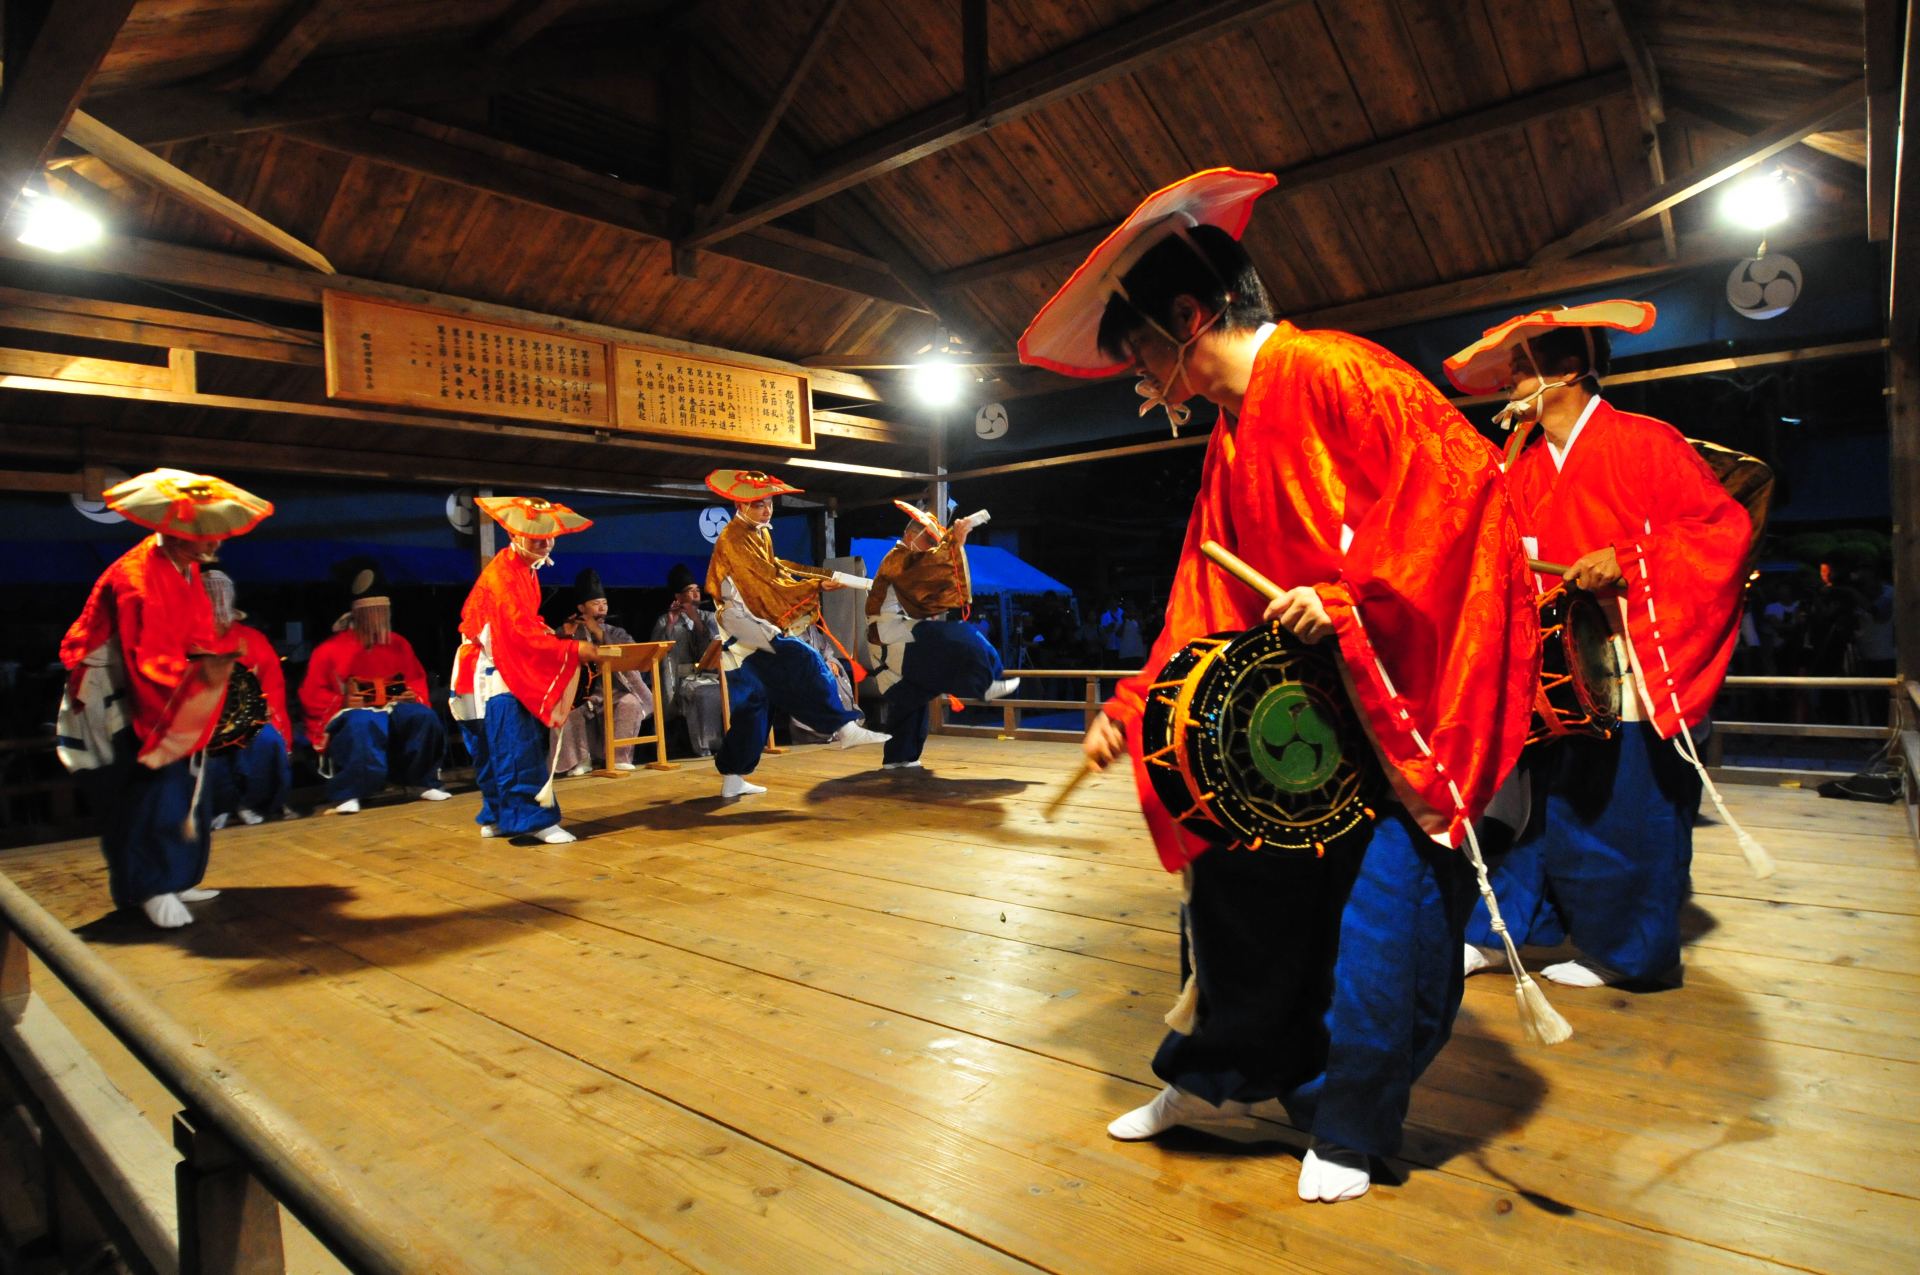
point(937, 465)
point(15, 983)
point(229, 1222)
point(1903, 360)
point(483, 542)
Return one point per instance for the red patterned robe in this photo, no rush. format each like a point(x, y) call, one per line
point(537, 664)
point(159, 615)
point(1336, 433)
point(1636, 484)
point(345, 655)
point(259, 657)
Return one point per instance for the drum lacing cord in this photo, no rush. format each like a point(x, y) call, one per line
point(1758, 860)
point(1541, 1022)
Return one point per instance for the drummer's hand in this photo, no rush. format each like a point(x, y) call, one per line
point(828, 586)
point(1301, 613)
point(1105, 743)
point(214, 670)
point(1595, 571)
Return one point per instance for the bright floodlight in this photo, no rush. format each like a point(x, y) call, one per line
point(937, 382)
point(1756, 203)
point(56, 225)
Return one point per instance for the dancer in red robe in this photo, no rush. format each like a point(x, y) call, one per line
point(1642, 522)
point(1335, 470)
point(147, 675)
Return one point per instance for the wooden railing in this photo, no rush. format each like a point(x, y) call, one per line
point(1011, 708)
point(235, 1157)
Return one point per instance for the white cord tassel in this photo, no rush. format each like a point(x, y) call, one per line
point(190, 826)
point(1755, 854)
point(1540, 1020)
point(545, 796)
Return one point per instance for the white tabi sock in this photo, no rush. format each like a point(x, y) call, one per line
point(1580, 974)
point(737, 786)
point(1331, 1174)
point(197, 895)
point(167, 911)
point(554, 835)
point(1480, 959)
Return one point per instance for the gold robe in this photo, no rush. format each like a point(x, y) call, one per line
point(768, 586)
point(927, 582)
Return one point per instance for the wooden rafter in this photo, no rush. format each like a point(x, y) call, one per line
point(1120, 50)
point(1834, 105)
point(522, 23)
point(1903, 307)
point(512, 172)
point(1492, 121)
point(770, 118)
point(137, 161)
point(45, 79)
point(1695, 112)
point(347, 85)
point(297, 34)
point(1881, 31)
point(1646, 95)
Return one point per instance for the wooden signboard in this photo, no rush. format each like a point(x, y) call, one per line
point(659, 391)
point(411, 356)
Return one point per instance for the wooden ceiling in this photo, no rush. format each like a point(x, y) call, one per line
point(837, 178)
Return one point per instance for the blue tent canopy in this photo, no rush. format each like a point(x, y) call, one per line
point(995, 570)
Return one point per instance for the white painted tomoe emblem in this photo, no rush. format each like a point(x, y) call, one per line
point(713, 521)
point(1764, 287)
point(991, 421)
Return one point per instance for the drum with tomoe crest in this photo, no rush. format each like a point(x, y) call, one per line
point(1251, 742)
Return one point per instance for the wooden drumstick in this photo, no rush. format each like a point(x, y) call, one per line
point(1548, 568)
point(1066, 790)
point(1240, 571)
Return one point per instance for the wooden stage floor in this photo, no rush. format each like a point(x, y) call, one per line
point(873, 1022)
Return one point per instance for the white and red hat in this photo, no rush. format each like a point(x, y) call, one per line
point(1482, 367)
point(1064, 336)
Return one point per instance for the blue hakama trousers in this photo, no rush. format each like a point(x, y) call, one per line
point(510, 764)
point(1609, 862)
point(1329, 984)
point(256, 776)
point(141, 811)
point(946, 657)
point(792, 680)
point(370, 746)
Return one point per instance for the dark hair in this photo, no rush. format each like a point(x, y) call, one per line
point(1220, 277)
point(1564, 350)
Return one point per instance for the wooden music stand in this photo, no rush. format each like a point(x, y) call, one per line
point(618, 659)
point(710, 662)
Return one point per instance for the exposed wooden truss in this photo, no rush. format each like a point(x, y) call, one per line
point(300, 31)
point(47, 70)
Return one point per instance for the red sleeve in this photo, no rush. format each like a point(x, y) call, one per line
point(320, 691)
point(1683, 555)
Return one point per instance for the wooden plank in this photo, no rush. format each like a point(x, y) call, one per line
point(148, 325)
point(1881, 30)
point(66, 367)
point(1835, 105)
point(1120, 50)
point(298, 32)
point(816, 40)
point(525, 20)
point(137, 161)
point(48, 67)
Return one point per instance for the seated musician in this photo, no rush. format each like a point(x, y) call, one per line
point(923, 654)
point(582, 736)
point(1640, 520)
point(249, 762)
point(146, 679)
point(369, 713)
point(1338, 472)
point(762, 602)
point(692, 693)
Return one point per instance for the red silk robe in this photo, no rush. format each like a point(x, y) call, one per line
point(344, 655)
point(1336, 431)
point(257, 653)
point(537, 664)
point(159, 616)
point(1635, 483)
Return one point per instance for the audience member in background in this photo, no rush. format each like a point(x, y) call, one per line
point(583, 736)
point(249, 762)
point(692, 695)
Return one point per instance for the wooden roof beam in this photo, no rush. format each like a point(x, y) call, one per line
point(1836, 104)
point(47, 70)
point(1696, 112)
point(1881, 30)
point(1646, 95)
point(1120, 50)
point(136, 161)
point(296, 35)
point(522, 23)
point(354, 84)
point(770, 117)
point(499, 168)
point(1492, 121)
point(1903, 307)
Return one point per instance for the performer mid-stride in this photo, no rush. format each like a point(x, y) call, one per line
point(761, 601)
point(1339, 473)
point(147, 675)
point(513, 677)
point(922, 653)
point(1640, 520)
